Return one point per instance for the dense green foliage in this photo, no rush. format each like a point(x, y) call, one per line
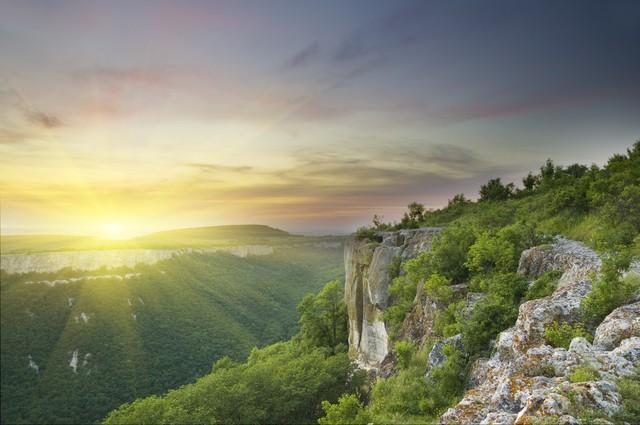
point(349, 410)
point(322, 318)
point(189, 311)
point(560, 334)
point(283, 383)
point(610, 290)
point(544, 286)
point(597, 205)
point(629, 389)
point(584, 373)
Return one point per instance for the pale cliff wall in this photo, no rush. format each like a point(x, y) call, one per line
point(368, 272)
point(111, 258)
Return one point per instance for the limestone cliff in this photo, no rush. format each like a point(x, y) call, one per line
point(369, 270)
point(526, 378)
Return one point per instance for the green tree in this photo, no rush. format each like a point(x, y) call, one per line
point(491, 254)
point(494, 190)
point(323, 317)
point(348, 410)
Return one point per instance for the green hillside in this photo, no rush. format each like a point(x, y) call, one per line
point(189, 311)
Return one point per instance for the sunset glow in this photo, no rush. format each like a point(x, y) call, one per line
point(167, 114)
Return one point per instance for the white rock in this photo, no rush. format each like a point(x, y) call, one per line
point(73, 363)
point(620, 324)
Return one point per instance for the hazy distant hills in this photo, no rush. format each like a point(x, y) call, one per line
point(188, 237)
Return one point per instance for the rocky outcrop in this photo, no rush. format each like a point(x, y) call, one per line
point(418, 326)
point(622, 323)
point(526, 378)
point(370, 266)
point(574, 259)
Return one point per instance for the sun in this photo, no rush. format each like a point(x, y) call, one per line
point(113, 231)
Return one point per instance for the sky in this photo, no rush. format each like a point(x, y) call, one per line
point(306, 115)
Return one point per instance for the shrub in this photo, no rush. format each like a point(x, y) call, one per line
point(447, 256)
point(544, 286)
point(405, 351)
point(348, 410)
point(609, 291)
point(490, 253)
point(448, 321)
point(561, 334)
point(629, 389)
point(584, 373)
point(438, 288)
point(400, 398)
point(490, 316)
point(365, 232)
point(402, 291)
point(446, 381)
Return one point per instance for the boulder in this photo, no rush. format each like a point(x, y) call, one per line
point(620, 324)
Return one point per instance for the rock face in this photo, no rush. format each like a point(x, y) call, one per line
point(369, 267)
point(526, 378)
point(418, 326)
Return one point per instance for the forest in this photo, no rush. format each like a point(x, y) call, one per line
point(162, 328)
point(309, 379)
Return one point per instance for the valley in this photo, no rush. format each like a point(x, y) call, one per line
point(84, 331)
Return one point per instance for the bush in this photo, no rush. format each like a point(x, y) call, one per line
point(490, 253)
point(610, 290)
point(448, 321)
point(495, 313)
point(490, 316)
point(561, 334)
point(544, 286)
point(447, 256)
point(348, 410)
point(405, 351)
point(438, 288)
point(584, 373)
point(402, 291)
point(400, 398)
point(446, 381)
point(365, 232)
point(629, 389)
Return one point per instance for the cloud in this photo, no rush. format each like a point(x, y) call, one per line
point(11, 137)
point(351, 48)
point(208, 167)
point(304, 56)
point(42, 119)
